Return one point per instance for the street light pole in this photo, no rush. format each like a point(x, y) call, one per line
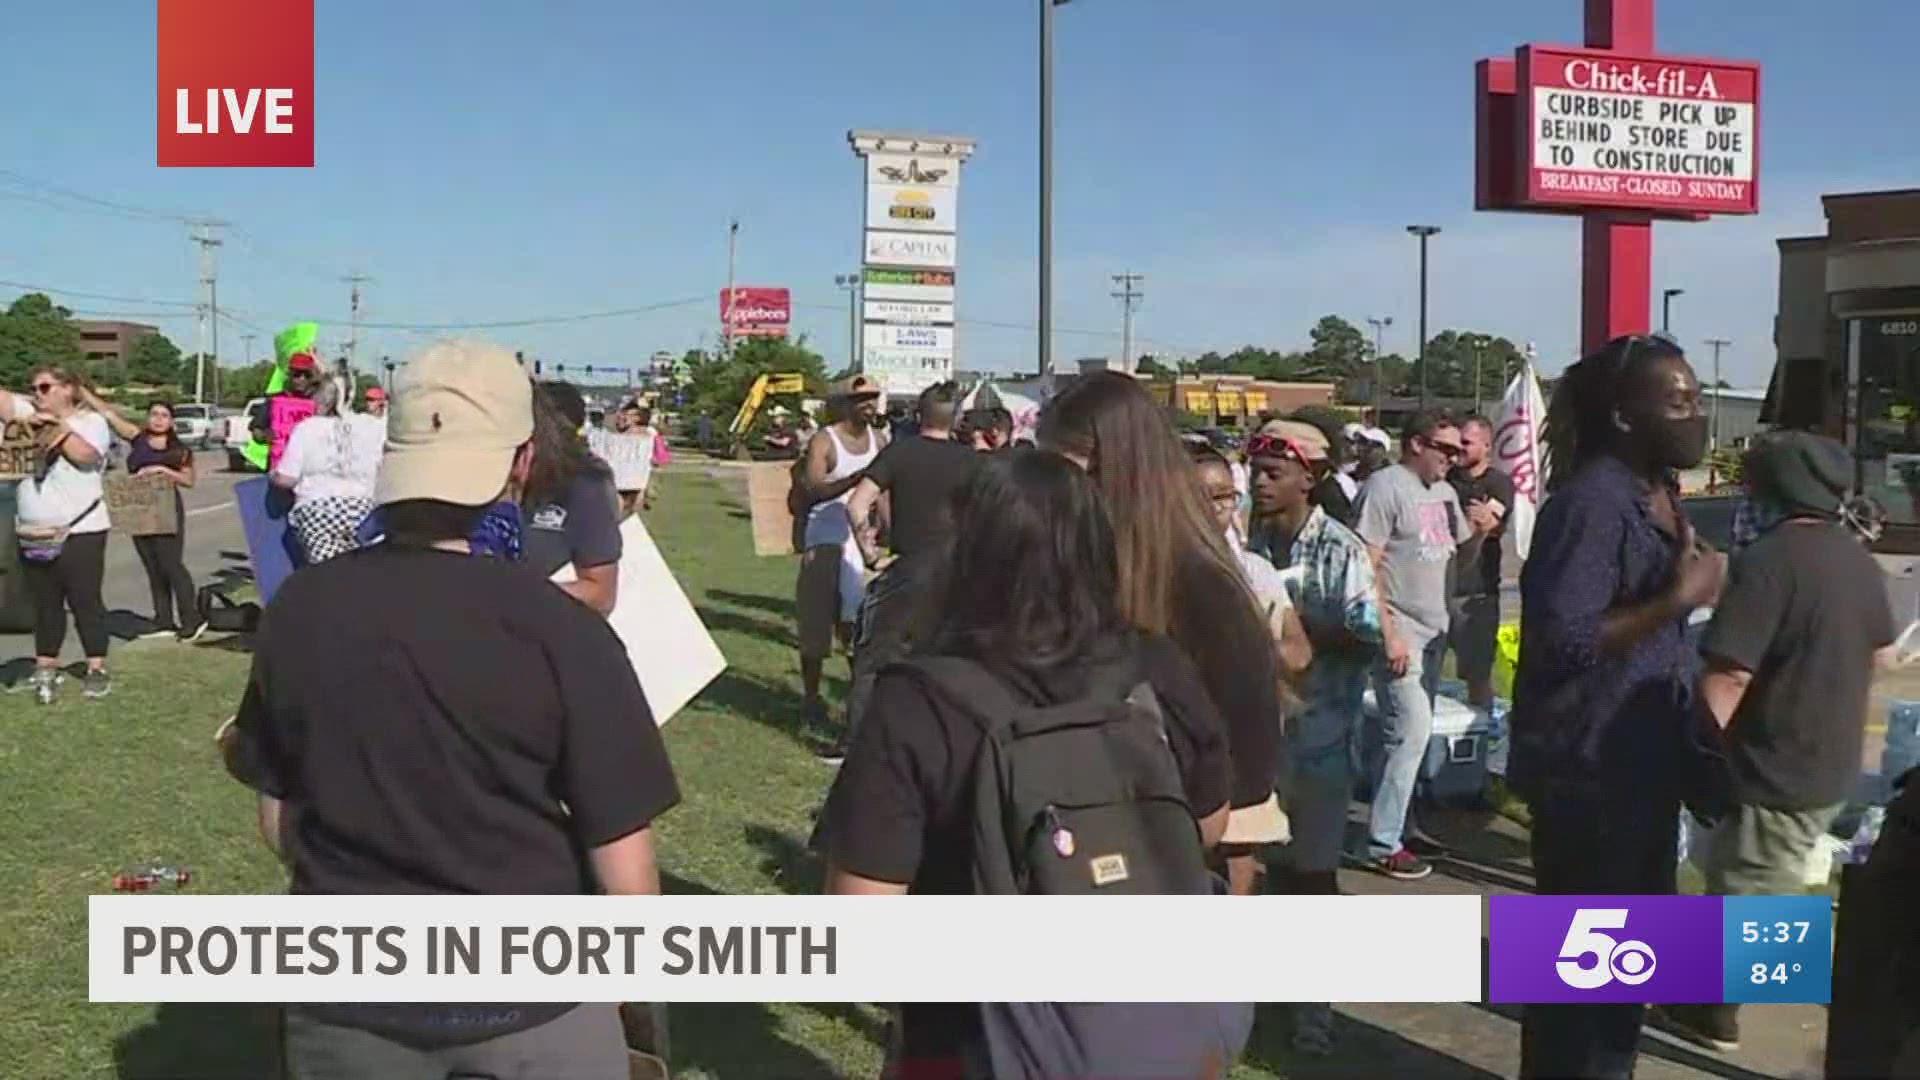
point(1379, 349)
point(1666, 308)
point(851, 283)
point(1423, 232)
point(1046, 186)
point(1713, 422)
point(733, 295)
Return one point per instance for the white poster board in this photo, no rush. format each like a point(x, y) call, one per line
point(669, 647)
point(629, 456)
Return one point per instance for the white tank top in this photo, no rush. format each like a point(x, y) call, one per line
point(828, 522)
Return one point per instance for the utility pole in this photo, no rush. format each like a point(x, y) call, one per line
point(733, 295)
point(851, 283)
point(354, 281)
point(1666, 308)
point(1128, 297)
point(209, 309)
point(1713, 423)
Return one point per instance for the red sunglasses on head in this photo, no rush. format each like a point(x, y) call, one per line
point(1277, 446)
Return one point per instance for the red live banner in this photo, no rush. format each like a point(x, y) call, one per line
point(1600, 128)
point(235, 83)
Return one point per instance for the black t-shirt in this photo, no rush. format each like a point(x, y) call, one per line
point(1484, 578)
point(921, 475)
point(583, 529)
point(1804, 611)
point(423, 716)
point(900, 808)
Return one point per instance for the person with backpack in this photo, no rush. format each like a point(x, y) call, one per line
point(1029, 639)
point(1178, 576)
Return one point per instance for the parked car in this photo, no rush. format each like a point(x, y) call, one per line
point(198, 424)
point(238, 435)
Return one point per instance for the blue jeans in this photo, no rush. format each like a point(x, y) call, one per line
point(1405, 717)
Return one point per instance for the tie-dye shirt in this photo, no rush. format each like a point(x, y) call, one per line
point(1333, 591)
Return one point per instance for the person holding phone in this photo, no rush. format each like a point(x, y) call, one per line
point(1473, 625)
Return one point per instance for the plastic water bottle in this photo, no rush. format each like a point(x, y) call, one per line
point(1869, 831)
point(145, 878)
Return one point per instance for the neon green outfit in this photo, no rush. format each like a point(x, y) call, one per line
point(298, 338)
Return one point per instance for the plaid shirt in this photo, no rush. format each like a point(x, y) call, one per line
point(1333, 591)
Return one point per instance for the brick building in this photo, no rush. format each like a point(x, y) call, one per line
point(107, 344)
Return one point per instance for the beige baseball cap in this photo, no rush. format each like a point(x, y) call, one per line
point(460, 411)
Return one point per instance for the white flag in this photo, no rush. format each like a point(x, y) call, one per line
point(1518, 453)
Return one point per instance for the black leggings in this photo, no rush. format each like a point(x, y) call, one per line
point(168, 578)
point(70, 582)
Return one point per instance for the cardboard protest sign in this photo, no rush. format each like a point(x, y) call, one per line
point(141, 505)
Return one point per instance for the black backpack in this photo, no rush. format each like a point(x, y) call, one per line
point(1085, 798)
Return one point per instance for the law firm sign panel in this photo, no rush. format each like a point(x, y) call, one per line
point(1638, 132)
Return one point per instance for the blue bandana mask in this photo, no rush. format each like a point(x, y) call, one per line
point(498, 534)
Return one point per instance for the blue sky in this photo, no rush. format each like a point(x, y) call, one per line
point(1256, 159)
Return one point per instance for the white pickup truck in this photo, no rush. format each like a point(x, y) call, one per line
point(238, 434)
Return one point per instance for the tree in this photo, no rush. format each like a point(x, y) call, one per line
point(1149, 367)
point(1454, 356)
point(34, 331)
point(718, 384)
point(1340, 351)
point(154, 360)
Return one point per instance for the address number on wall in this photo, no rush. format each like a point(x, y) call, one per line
point(1900, 329)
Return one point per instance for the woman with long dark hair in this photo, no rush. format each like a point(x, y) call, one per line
point(61, 523)
point(1178, 576)
point(1603, 736)
point(155, 449)
point(1029, 597)
point(571, 509)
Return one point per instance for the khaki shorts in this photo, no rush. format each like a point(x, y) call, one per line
point(1262, 823)
point(816, 599)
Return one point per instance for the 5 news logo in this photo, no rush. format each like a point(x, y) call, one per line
point(1659, 949)
point(235, 84)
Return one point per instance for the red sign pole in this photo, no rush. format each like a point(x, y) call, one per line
point(1616, 279)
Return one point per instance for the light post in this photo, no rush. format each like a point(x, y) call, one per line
point(851, 283)
point(1423, 232)
point(1666, 308)
point(1713, 424)
point(1046, 185)
point(1379, 349)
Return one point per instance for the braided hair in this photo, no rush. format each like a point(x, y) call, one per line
point(1580, 419)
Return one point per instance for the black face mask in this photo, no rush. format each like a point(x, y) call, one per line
point(1676, 444)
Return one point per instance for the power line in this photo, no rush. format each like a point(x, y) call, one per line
point(19, 179)
point(26, 287)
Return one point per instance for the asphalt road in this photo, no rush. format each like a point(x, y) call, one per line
point(215, 544)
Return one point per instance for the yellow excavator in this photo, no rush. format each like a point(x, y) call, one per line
point(763, 388)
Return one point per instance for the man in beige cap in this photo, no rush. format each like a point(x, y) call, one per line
point(832, 581)
point(455, 705)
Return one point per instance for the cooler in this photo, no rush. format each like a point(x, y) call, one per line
point(1455, 766)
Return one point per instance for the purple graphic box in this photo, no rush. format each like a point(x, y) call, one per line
point(1581, 949)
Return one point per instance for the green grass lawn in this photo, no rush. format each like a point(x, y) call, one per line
point(90, 787)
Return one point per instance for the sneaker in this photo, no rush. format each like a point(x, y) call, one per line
point(96, 684)
point(1313, 1030)
point(188, 637)
point(45, 682)
point(1402, 865)
point(158, 632)
point(1713, 1027)
point(835, 753)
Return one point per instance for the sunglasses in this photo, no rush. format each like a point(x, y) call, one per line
point(1450, 451)
point(1277, 446)
point(44, 387)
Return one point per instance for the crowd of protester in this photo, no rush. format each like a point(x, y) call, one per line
point(1214, 621)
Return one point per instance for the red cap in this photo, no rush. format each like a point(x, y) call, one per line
point(302, 361)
